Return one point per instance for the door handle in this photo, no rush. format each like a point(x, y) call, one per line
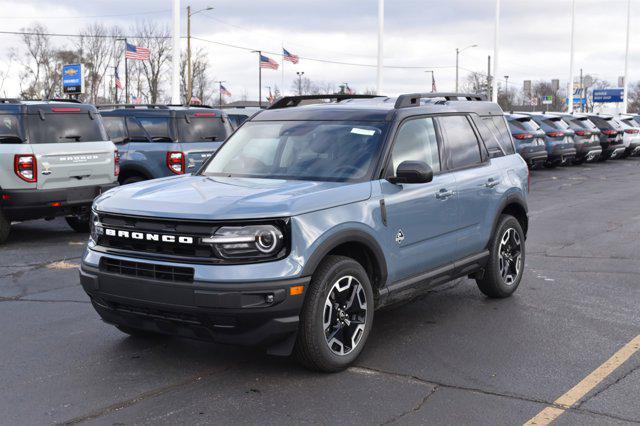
point(492, 183)
point(444, 194)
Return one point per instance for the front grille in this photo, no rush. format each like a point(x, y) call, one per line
point(147, 270)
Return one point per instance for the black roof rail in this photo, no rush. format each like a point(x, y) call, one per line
point(191, 106)
point(73, 101)
point(132, 106)
point(413, 99)
point(293, 101)
point(9, 101)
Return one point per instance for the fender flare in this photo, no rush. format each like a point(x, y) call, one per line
point(511, 198)
point(136, 169)
point(348, 236)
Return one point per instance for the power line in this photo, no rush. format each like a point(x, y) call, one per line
point(115, 15)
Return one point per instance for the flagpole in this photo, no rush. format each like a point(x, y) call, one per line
point(126, 73)
point(282, 83)
point(175, 54)
point(259, 52)
point(115, 69)
point(570, 88)
point(496, 51)
point(625, 82)
point(380, 45)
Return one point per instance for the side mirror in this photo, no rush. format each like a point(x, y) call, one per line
point(413, 172)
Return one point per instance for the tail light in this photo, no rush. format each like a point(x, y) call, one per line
point(175, 162)
point(555, 134)
point(583, 133)
point(523, 136)
point(25, 167)
point(610, 132)
point(116, 163)
point(631, 131)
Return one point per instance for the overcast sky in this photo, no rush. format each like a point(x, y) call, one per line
point(418, 33)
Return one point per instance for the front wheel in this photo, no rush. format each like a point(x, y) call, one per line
point(5, 228)
point(337, 315)
point(78, 223)
point(506, 260)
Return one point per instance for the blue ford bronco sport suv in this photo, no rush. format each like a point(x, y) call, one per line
point(159, 140)
point(308, 219)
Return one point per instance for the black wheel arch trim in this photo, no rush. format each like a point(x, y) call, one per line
point(343, 237)
point(512, 199)
point(135, 170)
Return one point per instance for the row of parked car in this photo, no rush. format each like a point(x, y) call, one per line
point(553, 139)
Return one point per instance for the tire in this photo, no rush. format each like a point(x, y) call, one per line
point(137, 332)
point(5, 228)
point(132, 179)
point(80, 225)
point(344, 281)
point(495, 282)
point(550, 164)
point(578, 161)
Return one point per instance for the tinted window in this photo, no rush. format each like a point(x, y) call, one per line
point(115, 128)
point(490, 137)
point(10, 129)
point(524, 124)
point(157, 128)
point(65, 128)
point(460, 140)
point(416, 141)
point(202, 129)
point(237, 119)
point(303, 150)
point(136, 132)
point(504, 135)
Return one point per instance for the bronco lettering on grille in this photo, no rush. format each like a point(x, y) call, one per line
point(146, 236)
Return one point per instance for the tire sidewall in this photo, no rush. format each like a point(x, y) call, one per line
point(5, 228)
point(506, 223)
point(315, 310)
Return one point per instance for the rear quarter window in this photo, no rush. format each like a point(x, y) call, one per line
point(500, 135)
point(10, 129)
point(65, 128)
point(460, 141)
point(115, 127)
point(158, 128)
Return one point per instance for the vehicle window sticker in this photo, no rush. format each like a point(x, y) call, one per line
point(363, 132)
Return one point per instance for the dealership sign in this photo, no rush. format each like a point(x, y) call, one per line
point(608, 95)
point(73, 78)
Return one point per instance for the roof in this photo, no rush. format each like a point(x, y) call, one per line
point(46, 106)
point(154, 109)
point(235, 104)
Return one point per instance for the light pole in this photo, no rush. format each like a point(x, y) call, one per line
point(570, 86)
point(380, 47)
point(189, 77)
point(175, 54)
point(458, 52)
point(625, 82)
point(299, 74)
point(506, 87)
point(433, 81)
point(126, 73)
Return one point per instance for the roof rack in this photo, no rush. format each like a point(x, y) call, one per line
point(293, 101)
point(73, 101)
point(132, 106)
point(413, 99)
point(9, 101)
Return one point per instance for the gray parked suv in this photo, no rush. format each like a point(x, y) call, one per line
point(55, 158)
point(308, 219)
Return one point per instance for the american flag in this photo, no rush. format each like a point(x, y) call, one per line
point(287, 56)
point(118, 82)
point(136, 99)
point(266, 62)
point(224, 91)
point(137, 53)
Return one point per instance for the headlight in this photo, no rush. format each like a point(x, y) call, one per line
point(95, 226)
point(242, 242)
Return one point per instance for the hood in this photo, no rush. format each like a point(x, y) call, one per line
point(223, 198)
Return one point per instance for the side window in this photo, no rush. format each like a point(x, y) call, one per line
point(136, 132)
point(504, 135)
point(116, 130)
point(416, 141)
point(460, 140)
point(10, 129)
point(490, 136)
point(157, 128)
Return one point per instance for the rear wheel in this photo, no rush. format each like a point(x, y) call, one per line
point(506, 260)
point(336, 317)
point(5, 228)
point(78, 223)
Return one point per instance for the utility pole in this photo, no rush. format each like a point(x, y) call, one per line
point(220, 91)
point(126, 72)
point(489, 77)
point(583, 95)
point(458, 52)
point(433, 80)
point(570, 87)
point(496, 45)
point(175, 55)
point(259, 52)
point(625, 99)
point(299, 74)
point(380, 46)
point(189, 74)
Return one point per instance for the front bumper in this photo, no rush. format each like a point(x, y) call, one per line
point(255, 313)
point(26, 204)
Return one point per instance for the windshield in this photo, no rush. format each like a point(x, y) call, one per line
point(65, 128)
point(302, 150)
point(202, 129)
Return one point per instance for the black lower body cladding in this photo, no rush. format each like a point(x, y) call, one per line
point(563, 156)
point(248, 313)
point(27, 204)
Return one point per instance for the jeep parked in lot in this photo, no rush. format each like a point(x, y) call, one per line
point(611, 135)
point(586, 138)
point(158, 140)
point(310, 217)
point(55, 158)
point(529, 139)
point(561, 149)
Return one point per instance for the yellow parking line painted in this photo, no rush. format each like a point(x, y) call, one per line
point(574, 395)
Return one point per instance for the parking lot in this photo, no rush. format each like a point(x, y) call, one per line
point(451, 357)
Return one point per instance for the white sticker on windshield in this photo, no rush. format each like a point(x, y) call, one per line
point(363, 132)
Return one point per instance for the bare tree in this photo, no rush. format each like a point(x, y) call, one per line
point(634, 98)
point(157, 39)
point(475, 82)
point(202, 82)
point(96, 50)
point(541, 89)
point(39, 76)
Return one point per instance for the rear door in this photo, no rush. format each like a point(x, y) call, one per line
point(478, 181)
point(70, 146)
point(201, 134)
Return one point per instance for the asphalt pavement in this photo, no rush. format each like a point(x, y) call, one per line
point(450, 357)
